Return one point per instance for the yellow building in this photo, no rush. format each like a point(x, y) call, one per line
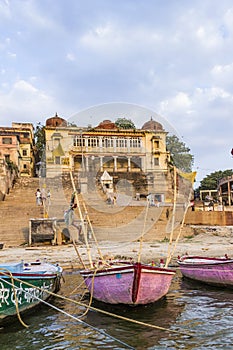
point(138, 155)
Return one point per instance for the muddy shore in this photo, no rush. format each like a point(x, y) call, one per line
point(216, 243)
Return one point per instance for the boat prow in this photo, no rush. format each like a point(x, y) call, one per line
point(25, 285)
point(129, 283)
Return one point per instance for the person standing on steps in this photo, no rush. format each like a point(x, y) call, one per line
point(48, 197)
point(43, 196)
point(38, 197)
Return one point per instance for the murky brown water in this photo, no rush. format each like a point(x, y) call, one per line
point(205, 312)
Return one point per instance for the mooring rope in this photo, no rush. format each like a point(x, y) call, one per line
point(108, 313)
point(64, 312)
point(15, 295)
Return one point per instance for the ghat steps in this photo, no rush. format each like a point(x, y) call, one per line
point(123, 222)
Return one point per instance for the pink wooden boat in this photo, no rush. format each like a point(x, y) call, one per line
point(214, 271)
point(128, 283)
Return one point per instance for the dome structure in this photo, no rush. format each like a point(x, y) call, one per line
point(56, 121)
point(152, 125)
point(107, 124)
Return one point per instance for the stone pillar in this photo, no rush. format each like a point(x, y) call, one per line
point(220, 195)
point(229, 192)
point(71, 160)
point(143, 163)
point(101, 163)
point(100, 143)
point(83, 184)
point(129, 164)
point(115, 163)
point(86, 144)
point(114, 144)
point(87, 163)
point(128, 145)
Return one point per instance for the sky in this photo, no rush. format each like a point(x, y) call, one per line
point(172, 57)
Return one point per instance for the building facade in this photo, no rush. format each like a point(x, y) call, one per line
point(17, 147)
point(135, 154)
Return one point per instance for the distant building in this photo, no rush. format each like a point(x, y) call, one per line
point(225, 190)
point(138, 155)
point(17, 147)
point(208, 195)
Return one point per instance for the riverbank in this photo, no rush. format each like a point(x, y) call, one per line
point(216, 243)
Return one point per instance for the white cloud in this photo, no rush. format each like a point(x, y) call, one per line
point(102, 37)
point(178, 106)
point(4, 9)
point(110, 38)
point(208, 36)
point(70, 57)
point(206, 95)
point(23, 96)
point(11, 54)
point(222, 74)
point(228, 19)
point(22, 86)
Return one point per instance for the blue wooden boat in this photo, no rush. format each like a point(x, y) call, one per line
point(25, 285)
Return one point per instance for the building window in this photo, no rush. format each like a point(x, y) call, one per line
point(121, 143)
point(56, 142)
point(25, 166)
point(57, 160)
point(108, 142)
point(7, 158)
point(156, 144)
point(156, 161)
point(7, 140)
point(135, 142)
point(78, 141)
point(92, 142)
point(24, 152)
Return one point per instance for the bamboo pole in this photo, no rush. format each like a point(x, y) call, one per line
point(82, 221)
point(171, 253)
point(181, 228)
point(93, 233)
point(143, 232)
point(173, 218)
point(77, 252)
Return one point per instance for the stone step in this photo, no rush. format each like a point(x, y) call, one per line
point(121, 222)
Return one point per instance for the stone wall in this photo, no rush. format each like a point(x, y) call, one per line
point(7, 178)
point(209, 218)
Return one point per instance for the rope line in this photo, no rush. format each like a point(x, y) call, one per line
point(15, 296)
point(66, 313)
point(109, 313)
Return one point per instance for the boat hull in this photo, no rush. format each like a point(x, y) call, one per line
point(26, 289)
point(131, 284)
point(213, 271)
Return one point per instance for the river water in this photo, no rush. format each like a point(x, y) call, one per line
point(189, 308)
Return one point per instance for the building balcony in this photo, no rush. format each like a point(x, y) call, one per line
point(107, 150)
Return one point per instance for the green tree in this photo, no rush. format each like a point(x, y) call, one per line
point(124, 123)
point(39, 141)
point(180, 156)
point(210, 182)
